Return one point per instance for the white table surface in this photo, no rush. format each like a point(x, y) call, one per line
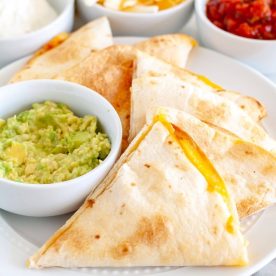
point(190, 28)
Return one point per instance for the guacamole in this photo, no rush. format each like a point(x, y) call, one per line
point(48, 144)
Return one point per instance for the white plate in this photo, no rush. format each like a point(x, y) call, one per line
point(21, 236)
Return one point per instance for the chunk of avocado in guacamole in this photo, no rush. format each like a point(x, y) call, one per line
point(48, 144)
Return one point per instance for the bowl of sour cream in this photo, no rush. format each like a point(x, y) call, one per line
point(26, 25)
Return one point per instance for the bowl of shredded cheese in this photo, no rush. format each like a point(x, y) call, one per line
point(30, 24)
point(139, 17)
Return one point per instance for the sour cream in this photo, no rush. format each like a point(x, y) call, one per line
point(18, 17)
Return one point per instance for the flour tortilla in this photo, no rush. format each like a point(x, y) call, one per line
point(146, 65)
point(254, 108)
point(151, 92)
point(175, 48)
point(153, 209)
point(109, 71)
point(91, 37)
point(248, 170)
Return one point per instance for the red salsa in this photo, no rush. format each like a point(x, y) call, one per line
point(247, 18)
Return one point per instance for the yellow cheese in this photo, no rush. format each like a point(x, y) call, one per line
point(54, 42)
point(209, 82)
point(202, 163)
point(230, 225)
point(197, 157)
point(206, 81)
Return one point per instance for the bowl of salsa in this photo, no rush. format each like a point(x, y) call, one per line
point(247, 18)
point(243, 29)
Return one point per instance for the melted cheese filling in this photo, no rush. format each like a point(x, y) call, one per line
point(209, 82)
point(53, 43)
point(206, 81)
point(196, 156)
point(201, 162)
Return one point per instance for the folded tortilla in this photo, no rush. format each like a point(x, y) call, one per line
point(159, 206)
point(91, 37)
point(175, 48)
point(109, 71)
point(148, 93)
point(146, 65)
point(248, 170)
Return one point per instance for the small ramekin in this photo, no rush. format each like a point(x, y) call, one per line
point(260, 54)
point(17, 47)
point(57, 198)
point(140, 24)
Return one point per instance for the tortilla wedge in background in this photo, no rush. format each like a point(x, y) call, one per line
point(146, 65)
point(159, 206)
point(248, 170)
point(109, 72)
point(148, 93)
point(254, 108)
point(91, 37)
point(175, 48)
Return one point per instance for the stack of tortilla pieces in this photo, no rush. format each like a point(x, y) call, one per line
point(195, 158)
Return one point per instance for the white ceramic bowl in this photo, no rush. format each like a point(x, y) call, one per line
point(20, 46)
point(57, 198)
point(260, 54)
point(140, 24)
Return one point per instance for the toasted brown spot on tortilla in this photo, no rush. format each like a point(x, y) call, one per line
point(247, 206)
point(215, 230)
point(149, 231)
point(122, 250)
point(221, 111)
point(147, 165)
point(90, 203)
point(153, 74)
point(122, 208)
point(269, 169)
point(97, 237)
point(153, 82)
point(76, 241)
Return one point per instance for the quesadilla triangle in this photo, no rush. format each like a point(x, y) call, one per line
point(175, 48)
point(162, 204)
point(148, 93)
point(248, 170)
point(109, 72)
point(146, 65)
point(91, 37)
